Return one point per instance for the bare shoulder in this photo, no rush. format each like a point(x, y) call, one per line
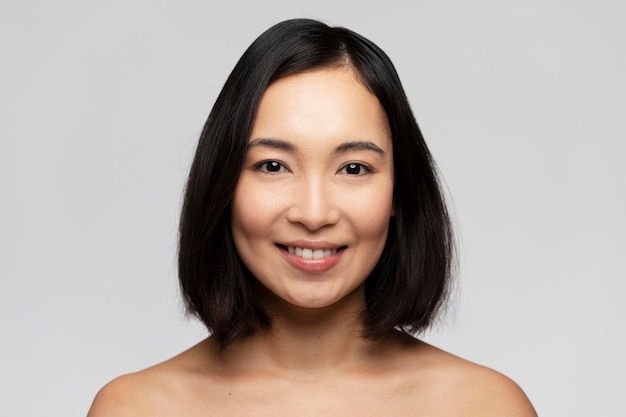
point(150, 392)
point(124, 396)
point(490, 393)
point(463, 388)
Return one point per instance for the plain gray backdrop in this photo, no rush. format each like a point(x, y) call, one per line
point(101, 104)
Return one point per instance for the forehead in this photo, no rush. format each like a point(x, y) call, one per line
point(324, 103)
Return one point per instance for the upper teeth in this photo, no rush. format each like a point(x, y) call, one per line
point(311, 253)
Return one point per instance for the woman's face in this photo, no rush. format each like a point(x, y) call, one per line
point(311, 210)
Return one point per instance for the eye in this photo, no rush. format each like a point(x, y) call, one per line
point(271, 167)
point(355, 168)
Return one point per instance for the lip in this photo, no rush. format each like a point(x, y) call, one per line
point(311, 265)
point(308, 244)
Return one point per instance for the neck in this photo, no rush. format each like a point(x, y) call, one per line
point(307, 340)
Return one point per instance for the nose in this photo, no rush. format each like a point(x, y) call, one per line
point(314, 204)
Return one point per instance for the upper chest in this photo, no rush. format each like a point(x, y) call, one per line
point(277, 397)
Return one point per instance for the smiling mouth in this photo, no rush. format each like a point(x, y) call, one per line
point(311, 254)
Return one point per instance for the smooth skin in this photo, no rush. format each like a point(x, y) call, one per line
point(319, 177)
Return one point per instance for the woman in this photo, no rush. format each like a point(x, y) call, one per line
point(314, 241)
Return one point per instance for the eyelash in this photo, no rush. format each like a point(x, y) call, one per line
point(263, 166)
point(363, 169)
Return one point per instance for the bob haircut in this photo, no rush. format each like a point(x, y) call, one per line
point(409, 285)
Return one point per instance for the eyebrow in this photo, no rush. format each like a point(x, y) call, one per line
point(358, 145)
point(273, 143)
point(355, 145)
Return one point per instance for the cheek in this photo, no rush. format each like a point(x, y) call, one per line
point(244, 222)
point(253, 211)
point(370, 213)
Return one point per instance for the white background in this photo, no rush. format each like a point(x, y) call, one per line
point(101, 104)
